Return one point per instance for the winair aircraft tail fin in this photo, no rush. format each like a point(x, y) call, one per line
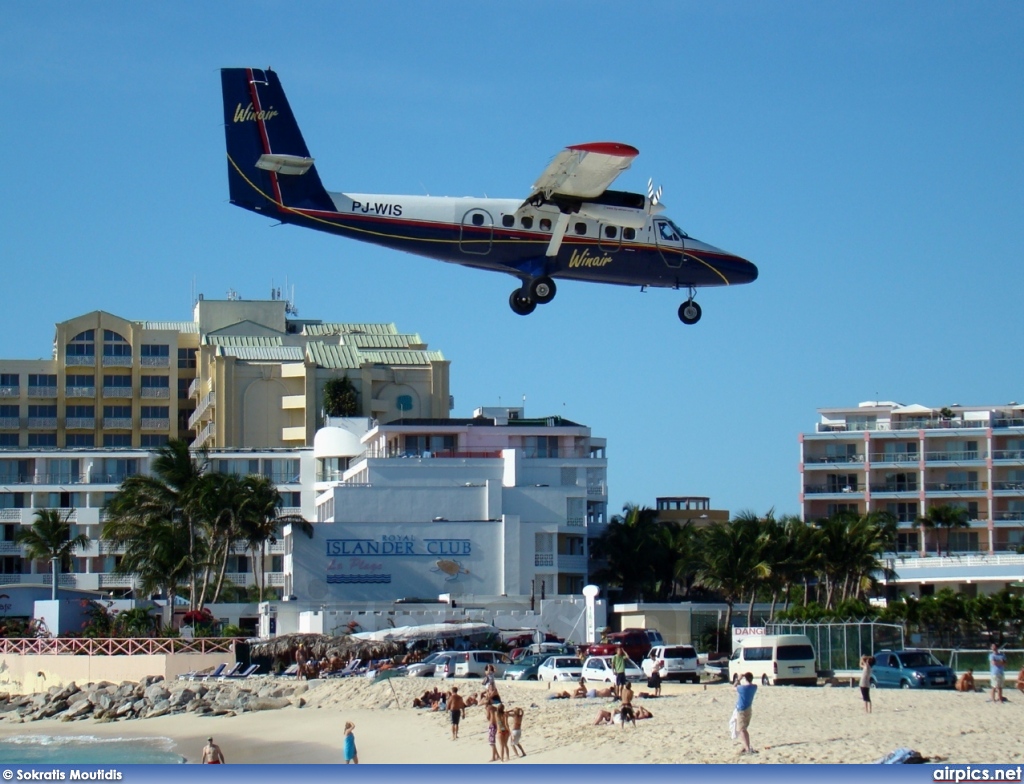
point(269, 167)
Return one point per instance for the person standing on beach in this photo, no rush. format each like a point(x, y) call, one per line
point(619, 668)
point(455, 707)
point(492, 731)
point(212, 755)
point(745, 691)
point(503, 732)
point(866, 663)
point(997, 672)
point(351, 755)
point(516, 716)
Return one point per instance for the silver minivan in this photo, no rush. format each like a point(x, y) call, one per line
point(471, 664)
point(775, 659)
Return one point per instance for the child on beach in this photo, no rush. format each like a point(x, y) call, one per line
point(351, 756)
point(503, 733)
point(492, 731)
point(516, 715)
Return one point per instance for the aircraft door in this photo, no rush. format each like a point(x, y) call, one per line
point(476, 232)
point(669, 242)
point(609, 237)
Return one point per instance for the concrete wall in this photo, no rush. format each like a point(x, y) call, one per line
point(32, 673)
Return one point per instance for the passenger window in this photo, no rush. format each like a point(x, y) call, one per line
point(581, 228)
point(610, 232)
point(629, 234)
point(478, 219)
point(527, 222)
point(508, 221)
point(545, 224)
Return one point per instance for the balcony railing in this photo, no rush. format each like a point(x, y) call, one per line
point(155, 424)
point(1001, 423)
point(543, 559)
point(117, 361)
point(894, 457)
point(193, 388)
point(894, 487)
point(8, 391)
point(942, 457)
point(42, 391)
point(155, 392)
point(10, 548)
point(58, 478)
point(1018, 486)
point(42, 423)
point(1008, 454)
point(834, 459)
point(79, 391)
point(953, 487)
point(80, 423)
point(155, 362)
point(117, 423)
point(117, 392)
point(204, 435)
point(9, 423)
point(830, 489)
point(899, 563)
point(100, 478)
point(80, 361)
point(1012, 516)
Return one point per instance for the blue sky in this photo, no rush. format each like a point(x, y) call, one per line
point(866, 156)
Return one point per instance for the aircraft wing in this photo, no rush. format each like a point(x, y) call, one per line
point(583, 171)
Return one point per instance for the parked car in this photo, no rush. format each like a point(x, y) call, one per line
point(549, 648)
point(424, 668)
point(637, 643)
point(560, 668)
point(677, 662)
point(471, 664)
point(775, 660)
point(444, 666)
point(525, 668)
point(599, 668)
point(911, 669)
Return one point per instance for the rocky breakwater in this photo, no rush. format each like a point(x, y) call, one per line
point(149, 698)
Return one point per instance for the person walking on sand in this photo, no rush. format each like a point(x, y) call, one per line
point(212, 755)
point(351, 755)
point(745, 691)
point(455, 707)
point(619, 668)
point(997, 672)
point(516, 717)
point(866, 663)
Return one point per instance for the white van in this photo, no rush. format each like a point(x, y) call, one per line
point(779, 659)
point(470, 664)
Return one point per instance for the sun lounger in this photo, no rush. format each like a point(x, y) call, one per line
point(291, 672)
point(250, 670)
point(198, 675)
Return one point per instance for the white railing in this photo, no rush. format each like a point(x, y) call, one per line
point(155, 424)
point(80, 361)
point(10, 515)
point(117, 423)
point(80, 423)
point(155, 361)
point(918, 562)
point(544, 559)
point(10, 391)
point(42, 423)
point(10, 423)
point(155, 392)
point(117, 392)
point(42, 391)
point(10, 547)
point(80, 392)
point(117, 361)
point(193, 388)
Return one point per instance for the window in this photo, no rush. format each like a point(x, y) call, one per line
point(155, 350)
point(183, 385)
point(526, 221)
point(281, 470)
point(155, 412)
point(545, 224)
point(186, 357)
point(80, 412)
point(9, 439)
point(42, 439)
point(508, 221)
point(154, 440)
point(236, 467)
point(903, 512)
point(629, 234)
point(42, 411)
point(9, 379)
point(82, 345)
point(419, 445)
point(80, 440)
point(667, 231)
point(9, 411)
point(118, 348)
point(541, 446)
point(76, 380)
point(291, 499)
point(907, 542)
point(118, 382)
point(42, 380)
point(117, 439)
point(611, 232)
point(117, 412)
point(478, 219)
point(580, 228)
point(156, 382)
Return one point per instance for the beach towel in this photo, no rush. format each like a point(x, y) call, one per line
point(733, 721)
point(902, 756)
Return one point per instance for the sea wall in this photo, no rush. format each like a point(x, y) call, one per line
point(29, 673)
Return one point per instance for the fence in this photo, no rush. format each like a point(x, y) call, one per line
point(977, 659)
point(111, 646)
point(839, 646)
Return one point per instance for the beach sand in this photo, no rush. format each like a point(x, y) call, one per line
point(690, 725)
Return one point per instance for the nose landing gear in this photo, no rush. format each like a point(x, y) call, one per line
point(689, 311)
point(539, 291)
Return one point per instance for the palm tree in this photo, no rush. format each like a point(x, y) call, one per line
point(260, 520)
point(945, 516)
point(630, 548)
point(50, 538)
point(219, 500)
point(730, 562)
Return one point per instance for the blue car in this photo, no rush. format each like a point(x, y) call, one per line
point(911, 669)
point(526, 668)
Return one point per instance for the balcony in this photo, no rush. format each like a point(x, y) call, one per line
point(833, 459)
point(954, 487)
point(572, 563)
point(894, 487)
point(117, 423)
point(204, 436)
point(80, 423)
point(117, 392)
point(1003, 423)
point(193, 388)
point(100, 478)
point(155, 424)
point(1017, 487)
point(10, 391)
point(1008, 454)
point(58, 478)
point(151, 392)
point(954, 457)
point(10, 515)
point(80, 392)
point(10, 548)
point(832, 489)
point(895, 457)
point(202, 409)
point(42, 391)
point(42, 423)
point(155, 362)
point(543, 559)
point(117, 361)
point(1009, 517)
point(80, 361)
point(10, 423)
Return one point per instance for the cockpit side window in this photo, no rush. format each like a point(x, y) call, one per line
point(667, 231)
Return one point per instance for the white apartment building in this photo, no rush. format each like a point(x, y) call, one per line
point(493, 506)
point(905, 459)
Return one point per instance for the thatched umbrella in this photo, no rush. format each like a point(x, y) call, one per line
point(323, 646)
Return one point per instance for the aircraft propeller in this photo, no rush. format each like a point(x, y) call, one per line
point(653, 197)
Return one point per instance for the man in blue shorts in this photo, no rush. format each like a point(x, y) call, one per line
point(745, 691)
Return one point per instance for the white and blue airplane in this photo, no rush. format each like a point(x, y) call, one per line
point(570, 226)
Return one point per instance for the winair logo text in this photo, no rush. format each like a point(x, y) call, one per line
point(248, 114)
point(584, 259)
point(378, 208)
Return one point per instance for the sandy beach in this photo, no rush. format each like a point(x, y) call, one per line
point(689, 725)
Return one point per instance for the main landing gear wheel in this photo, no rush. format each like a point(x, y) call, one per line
point(521, 306)
point(542, 290)
point(689, 312)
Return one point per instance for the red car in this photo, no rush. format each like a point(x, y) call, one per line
point(637, 643)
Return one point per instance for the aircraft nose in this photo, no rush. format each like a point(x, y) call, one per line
point(743, 271)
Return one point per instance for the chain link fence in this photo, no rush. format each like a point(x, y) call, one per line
point(839, 646)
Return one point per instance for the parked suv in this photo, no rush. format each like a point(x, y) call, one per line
point(911, 669)
point(677, 661)
point(471, 664)
point(635, 642)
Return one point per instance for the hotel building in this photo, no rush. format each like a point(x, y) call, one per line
point(884, 456)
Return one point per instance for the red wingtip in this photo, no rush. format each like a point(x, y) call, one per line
point(608, 148)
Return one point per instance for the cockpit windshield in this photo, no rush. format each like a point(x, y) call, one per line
point(667, 230)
